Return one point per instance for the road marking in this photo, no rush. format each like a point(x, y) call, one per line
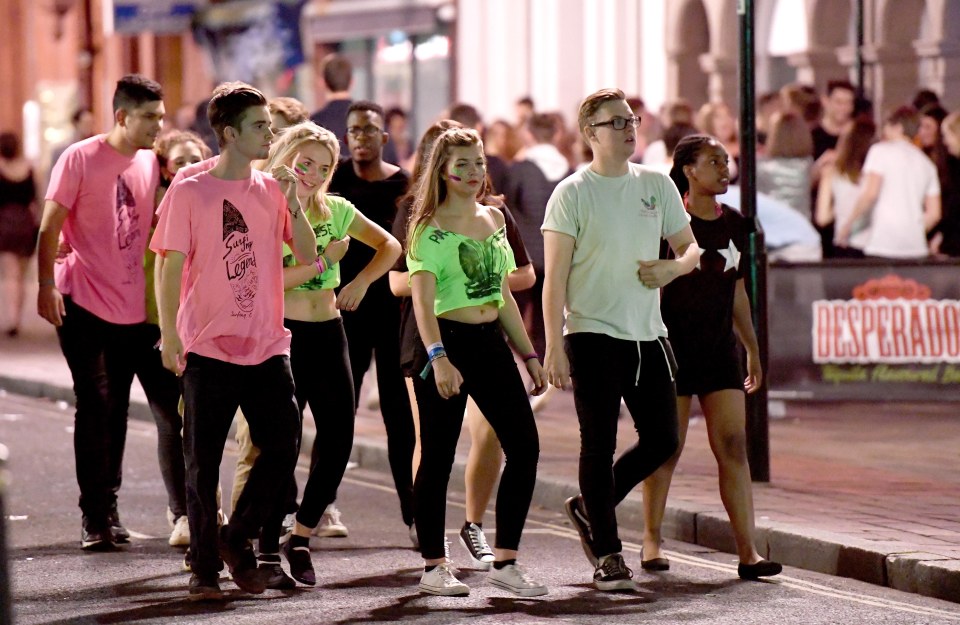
point(782, 580)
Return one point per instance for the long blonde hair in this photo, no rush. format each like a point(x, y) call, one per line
point(290, 143)
point(431, 189)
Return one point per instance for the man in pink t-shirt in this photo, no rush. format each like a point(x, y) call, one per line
point(220, 234)
point(101, 198)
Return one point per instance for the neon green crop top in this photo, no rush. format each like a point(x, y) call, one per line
point(342, 213)
point(469, 272)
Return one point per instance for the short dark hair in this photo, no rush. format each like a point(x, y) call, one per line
point(543, 127)
point(9, 145)
point(133, 90)
point(526, 101)
point(393, 111)
point(337, 72)
point(366, 105)
point(907, 118)
point(674, 134)
point(229, 102)
point(466, 114)
point(925, 97)
point(846, 85)
point(685, 153)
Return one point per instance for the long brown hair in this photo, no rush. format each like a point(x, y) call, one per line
point(853, 146)
point(431, 189)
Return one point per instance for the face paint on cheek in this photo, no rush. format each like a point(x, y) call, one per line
point(301, 167)
point(456, 176)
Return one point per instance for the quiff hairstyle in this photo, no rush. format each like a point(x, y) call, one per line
point(590, 105)
point(228, 104)
point(134, 90)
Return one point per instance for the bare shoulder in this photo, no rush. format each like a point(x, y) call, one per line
point(493, 213)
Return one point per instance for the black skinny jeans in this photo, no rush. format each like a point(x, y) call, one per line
point(321, 371)
point(604, 370)
point(490, 376)
point(373, 331)
point(212, 392)
point(103, 357)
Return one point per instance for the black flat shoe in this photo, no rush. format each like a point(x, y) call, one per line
point(655, 564)
point(763, 568)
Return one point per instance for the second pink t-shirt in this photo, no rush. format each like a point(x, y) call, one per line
point(231, 298)
point(109, 197)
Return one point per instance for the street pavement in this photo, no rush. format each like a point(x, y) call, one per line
point(869, 491)
point(371, 576)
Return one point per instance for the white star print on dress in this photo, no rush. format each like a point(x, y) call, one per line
point(731, 255)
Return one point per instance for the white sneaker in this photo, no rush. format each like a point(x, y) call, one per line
point(515, 579)
point(330, 525)
point(180, 536)
point(441, 581)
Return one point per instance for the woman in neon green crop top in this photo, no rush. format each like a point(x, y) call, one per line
point(458, 260)
point(318, 350)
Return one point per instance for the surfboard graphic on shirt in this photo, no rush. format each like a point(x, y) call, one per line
point(128, 230)
point(239, 258)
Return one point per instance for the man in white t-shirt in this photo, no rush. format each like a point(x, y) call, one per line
point(602, 233)
point(901, 191)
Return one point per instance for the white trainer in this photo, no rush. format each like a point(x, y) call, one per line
point(180, 536)
point(515, 579)
point(330, 525)
point(441, 581)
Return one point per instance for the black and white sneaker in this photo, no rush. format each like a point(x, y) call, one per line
point(578, 517)
point(118, 533)
point(612, 574)
point(473, 540)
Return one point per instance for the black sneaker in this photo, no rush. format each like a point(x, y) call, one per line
point(301, 566)
point(94, 536)
point(763, 568)
point(204, 589)
point(274, 575)
point(242, 563)
point(578, 516)
point(118, 532)
point(473, 540)
point(612, 574)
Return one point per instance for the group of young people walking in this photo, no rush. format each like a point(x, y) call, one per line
point(248, 247)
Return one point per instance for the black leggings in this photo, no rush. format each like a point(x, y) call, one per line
point(321, 372)
point(604, 370)
point(490, 376)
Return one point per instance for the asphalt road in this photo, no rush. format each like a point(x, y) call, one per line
point(371, 576)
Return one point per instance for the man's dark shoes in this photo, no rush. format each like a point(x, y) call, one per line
point(578, 516)
point(298, 555)
point(763, 568)
point(118, 532)
point(612, 573)
point(273, 574)
point(94, 536)
point(239, 558)
point(204, 588)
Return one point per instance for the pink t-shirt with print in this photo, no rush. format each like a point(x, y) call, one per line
point(231, 296)
point(109, 197)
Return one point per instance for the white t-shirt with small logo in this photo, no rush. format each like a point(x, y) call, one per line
point(616, 222)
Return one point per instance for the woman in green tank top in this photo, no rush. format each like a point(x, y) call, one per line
point(318, 351)
point(458, 260)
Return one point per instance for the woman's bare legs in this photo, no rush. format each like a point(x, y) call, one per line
point(657, 486)
point(725, 414)
point(483, 464)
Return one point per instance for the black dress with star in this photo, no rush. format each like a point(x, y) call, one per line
point(698, 308)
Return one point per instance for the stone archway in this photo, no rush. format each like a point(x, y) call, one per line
point(893, 53)
point(688, 40)
point(830, 34)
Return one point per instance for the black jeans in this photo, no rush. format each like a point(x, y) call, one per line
point(212, 392)
point(491, 378)
point(94, 350)
point(373, 330)
point(163, 394)
point(321, 372)
point(604, 370)
point(530, 303)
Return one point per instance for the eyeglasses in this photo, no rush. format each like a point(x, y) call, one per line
point(369, 131)
point(618, 123)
